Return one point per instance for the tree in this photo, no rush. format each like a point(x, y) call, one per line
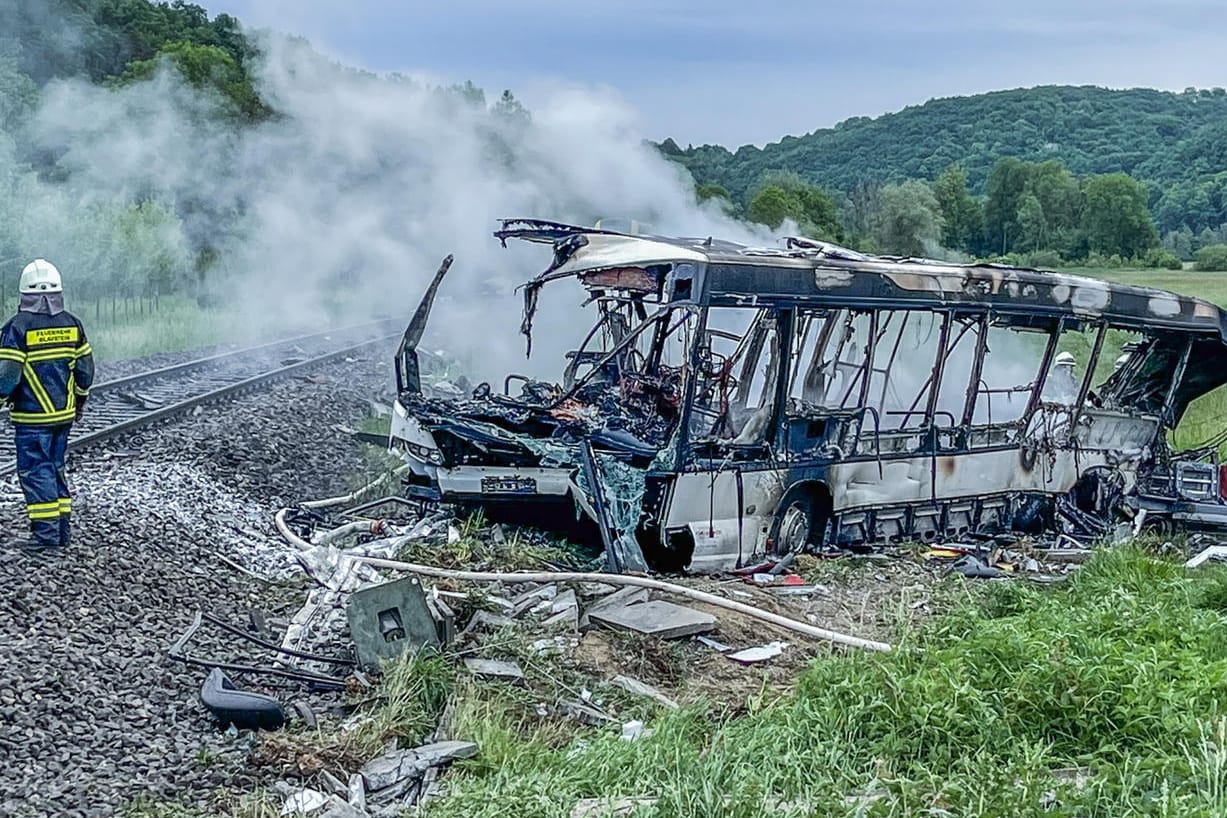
point(1006, 184)
point(205, 66)
point(1056, 210)
point(510, 110)
point(470, 94)
point(908, 220)
point(704, 192)
point(858, 208)
point(18, 94)
point(781, 196)
point(1115, 217)
point(1032, 225)
point(962, 218)
point(772, 205)
point(719, 198)
point(1179, 242)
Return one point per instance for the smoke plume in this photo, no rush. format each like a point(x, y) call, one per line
point(343, 203)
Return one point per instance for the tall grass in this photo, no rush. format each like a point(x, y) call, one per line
point(177, 324)
point(1122, 671)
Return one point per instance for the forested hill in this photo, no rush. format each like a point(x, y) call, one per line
point(1172, 140)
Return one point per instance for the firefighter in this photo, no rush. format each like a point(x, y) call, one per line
point(1062, 384)
point(46, 368)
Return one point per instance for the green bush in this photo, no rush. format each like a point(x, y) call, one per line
point(1159, 258)
point(1106, 262)
point(1212, 258)
point(1041, 259)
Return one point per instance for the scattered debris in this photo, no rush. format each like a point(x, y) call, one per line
point(585, 713)
point(304, 802)
point(640, 689)
point(713, 644)
point(337, 808)
point(244, 709)
point(387, 619)
point(400, 765)
point(620, 598)
point(635, 730)
point(762, 653)
point(798, 590)
point(179, 653)
point(357, 792)
point(1214, 552)
point(495, 669)
point(972, 565)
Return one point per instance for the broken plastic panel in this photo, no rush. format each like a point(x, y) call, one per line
point(387, 620)
point(242, 708)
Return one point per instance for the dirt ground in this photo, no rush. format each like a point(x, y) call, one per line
point(877, 598)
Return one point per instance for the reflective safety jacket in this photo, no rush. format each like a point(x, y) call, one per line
point(46, 365)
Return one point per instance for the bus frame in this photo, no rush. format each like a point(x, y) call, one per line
point(819, 426)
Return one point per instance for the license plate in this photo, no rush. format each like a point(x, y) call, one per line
point(508, 485)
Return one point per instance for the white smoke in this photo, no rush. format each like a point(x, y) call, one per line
point(344, 203)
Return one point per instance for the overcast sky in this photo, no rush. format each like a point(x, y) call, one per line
point(740, 71)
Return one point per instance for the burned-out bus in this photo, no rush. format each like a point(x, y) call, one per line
point(734, 402)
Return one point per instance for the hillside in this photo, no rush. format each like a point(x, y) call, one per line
point(1176, 142)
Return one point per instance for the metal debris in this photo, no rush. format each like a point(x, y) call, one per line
point(635, 730)
point(719, 647)
point(242, 708)
point(304, 802)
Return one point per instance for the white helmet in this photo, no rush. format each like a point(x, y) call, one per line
point(1064, 359)
point(40, 276)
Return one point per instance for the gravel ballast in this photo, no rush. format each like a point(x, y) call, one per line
point(92, 712)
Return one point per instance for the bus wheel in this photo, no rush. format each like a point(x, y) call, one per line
point(1159, 526)
point(793, 532)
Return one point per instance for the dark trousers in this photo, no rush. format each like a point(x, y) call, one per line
point(40, 469)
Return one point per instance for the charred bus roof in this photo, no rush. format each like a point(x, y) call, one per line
point(724, 273)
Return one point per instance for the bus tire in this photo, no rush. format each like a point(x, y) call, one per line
point(800, 519)
point(794, 526)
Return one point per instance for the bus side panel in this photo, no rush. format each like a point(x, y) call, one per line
point(706, 503)
point(921, 479)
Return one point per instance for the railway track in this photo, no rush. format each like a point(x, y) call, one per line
point(124, 404)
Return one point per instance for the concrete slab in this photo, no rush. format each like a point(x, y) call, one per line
point(655, 618)
point(618, 599)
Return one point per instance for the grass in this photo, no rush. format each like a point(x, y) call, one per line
point(177, 324)
point(1123, 670)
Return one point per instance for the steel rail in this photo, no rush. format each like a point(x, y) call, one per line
point(194, 385)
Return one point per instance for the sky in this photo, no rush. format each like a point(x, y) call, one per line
point(744, 72)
